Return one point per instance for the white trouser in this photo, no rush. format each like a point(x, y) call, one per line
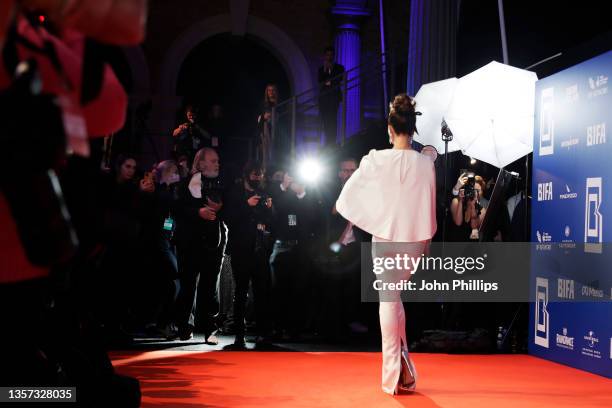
point(391, 310)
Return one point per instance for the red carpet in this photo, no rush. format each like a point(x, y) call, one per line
point(292, 379)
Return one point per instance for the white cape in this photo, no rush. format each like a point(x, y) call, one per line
point(392, 196)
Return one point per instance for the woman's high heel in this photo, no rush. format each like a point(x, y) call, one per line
point(408, 376)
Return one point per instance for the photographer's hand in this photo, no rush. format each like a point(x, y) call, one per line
point(461, 181)
point(298, 189)
point(253, 200)
point(180, 129)
point(215, 206)
point(207, 213)
point(146, 186)
point(287, 180)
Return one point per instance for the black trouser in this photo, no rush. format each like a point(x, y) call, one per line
point(168, 276)
point(198, 270)
point(328, 111)
point(291, 286)
point(247, 266)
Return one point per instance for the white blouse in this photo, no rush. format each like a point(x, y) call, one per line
point(392, 196)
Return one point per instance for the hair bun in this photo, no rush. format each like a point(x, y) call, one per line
point(402, 114)
point(403, 105)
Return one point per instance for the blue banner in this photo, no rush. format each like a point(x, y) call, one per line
point(571, 190)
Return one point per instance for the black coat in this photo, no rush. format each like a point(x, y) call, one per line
point(287, 204)
point(191, 229)
point(331, 94)
point(242, 219)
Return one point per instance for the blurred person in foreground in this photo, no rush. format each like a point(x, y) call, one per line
point(85, 103)
point(392, 197)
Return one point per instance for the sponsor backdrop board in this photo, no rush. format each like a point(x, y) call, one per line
point(571, 321)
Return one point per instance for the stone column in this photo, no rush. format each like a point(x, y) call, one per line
point(348, 16)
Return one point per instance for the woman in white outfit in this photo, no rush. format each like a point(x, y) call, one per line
point(392, 196)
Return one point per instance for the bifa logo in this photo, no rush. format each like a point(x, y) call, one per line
point(565, 289)
point(545, 191)
point(542, 319)
point(564, 341)
point(598, 86)
point(596, 134)
point(568, 195)
point(593, 219)
point(547, 124)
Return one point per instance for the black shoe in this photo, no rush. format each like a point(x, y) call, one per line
point(238, 344)
point(171, 332)
point(185, 333)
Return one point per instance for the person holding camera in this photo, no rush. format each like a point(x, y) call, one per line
point(343, 312)
point(189, 136)
point(161, 254)
point(249, 216)
point(468, 207)
point(199, 244)
point(289, 259)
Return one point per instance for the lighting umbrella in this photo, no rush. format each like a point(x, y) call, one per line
point(491, 113)
point(433, 100)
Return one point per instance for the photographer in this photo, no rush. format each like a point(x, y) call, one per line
point(189, 137)
point(342, 309)
point(161, 251)
point(249, 216)
point(290, 261)
point(199, 244)
point(468, 207)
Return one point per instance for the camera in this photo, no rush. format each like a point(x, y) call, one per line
point(212, 188)
point(469, 192)
point(468, 189)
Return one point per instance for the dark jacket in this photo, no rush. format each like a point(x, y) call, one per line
point(294, 216)
point(191, 229)
point(242, 219)
point(330, 94)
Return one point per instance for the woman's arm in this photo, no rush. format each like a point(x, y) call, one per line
point(457, 211)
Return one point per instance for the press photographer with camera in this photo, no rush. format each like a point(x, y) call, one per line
point(199, 244)
point(189, 136)
point(468, 207)
point(249, 214)
point(289, 262)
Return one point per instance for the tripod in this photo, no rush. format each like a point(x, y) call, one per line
point(447, 136)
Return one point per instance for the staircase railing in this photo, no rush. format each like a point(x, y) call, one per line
point(371, 75)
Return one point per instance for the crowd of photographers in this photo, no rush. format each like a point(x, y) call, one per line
point(201, 251)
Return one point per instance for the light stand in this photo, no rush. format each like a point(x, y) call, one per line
point(447, 136)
